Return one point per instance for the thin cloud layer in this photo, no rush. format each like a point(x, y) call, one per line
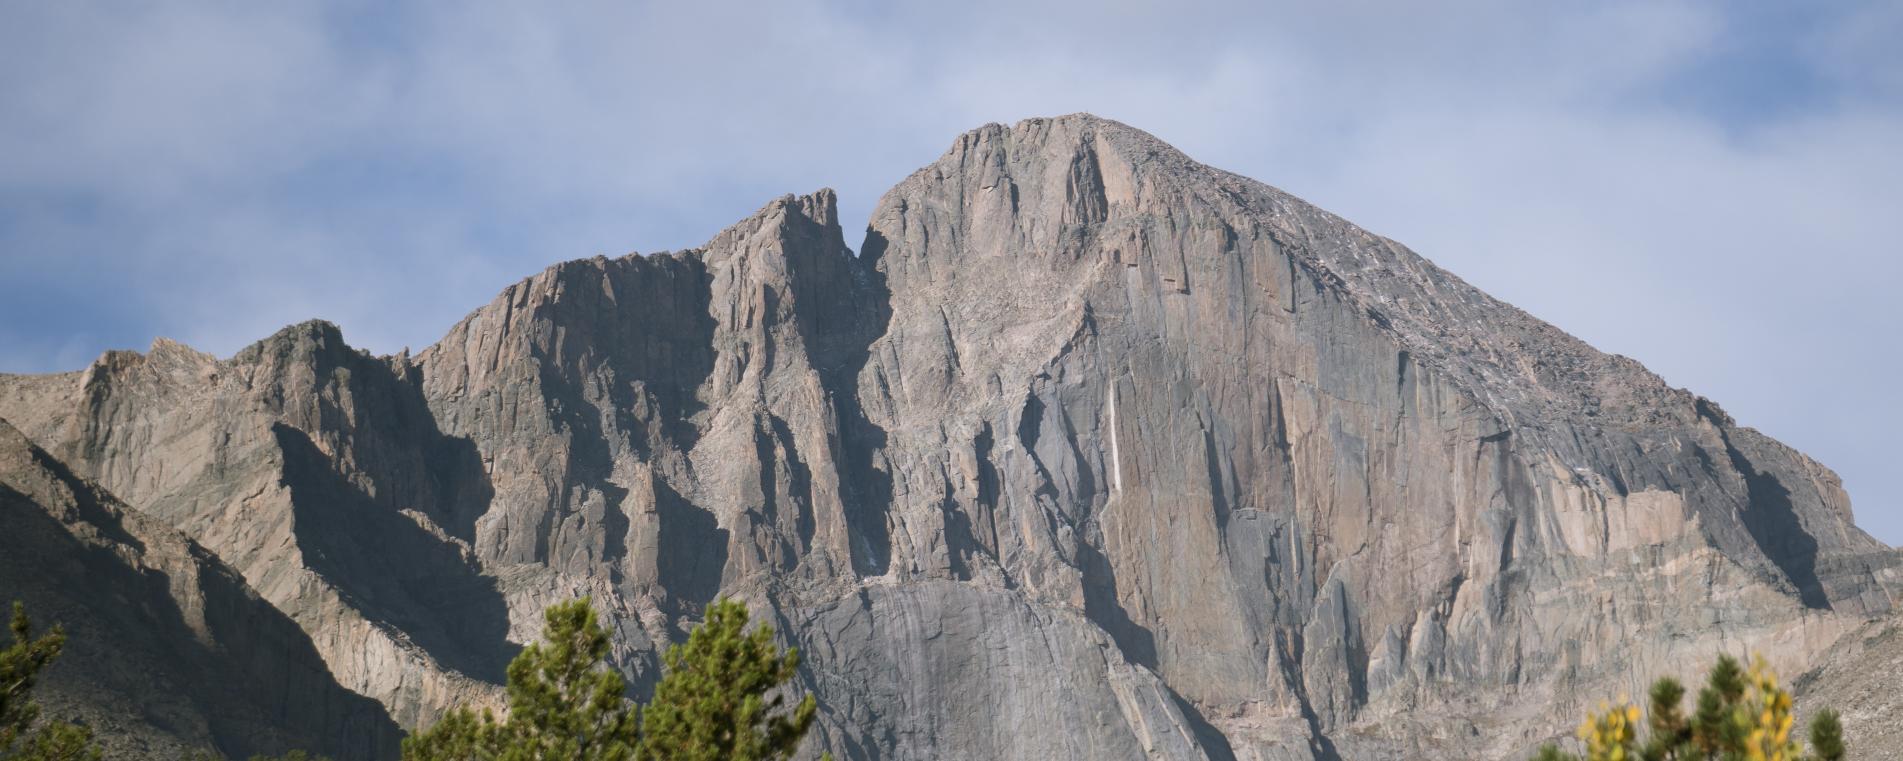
point(1701, 186)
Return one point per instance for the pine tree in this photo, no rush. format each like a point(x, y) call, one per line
point(60, 742)
point(1717, 728)
point(1670, 731)
point(1740, 715)
point(1827, 736)
point(712, 705)
point(461, 735)
point(20, 666)
point(295, 755)
point(564, 705)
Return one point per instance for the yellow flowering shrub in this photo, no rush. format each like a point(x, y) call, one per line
point(1768, 733)
point(1740, 715)
point(1612, 733)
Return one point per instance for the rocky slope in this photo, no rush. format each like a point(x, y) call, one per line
point(168, 650)
point(1860, 679)
point(1089, 451)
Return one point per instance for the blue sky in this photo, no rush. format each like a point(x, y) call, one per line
point(1708, 187)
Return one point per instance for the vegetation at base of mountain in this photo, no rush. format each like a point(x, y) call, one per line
point(1740, 715)
point(20, 667)
point(716, 700)
point(713, 704)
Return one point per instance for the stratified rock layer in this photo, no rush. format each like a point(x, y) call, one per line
point(1090, 451)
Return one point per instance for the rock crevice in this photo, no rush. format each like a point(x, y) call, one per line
point(1090, 451)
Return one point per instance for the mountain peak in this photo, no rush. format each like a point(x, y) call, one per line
point(1088, 430)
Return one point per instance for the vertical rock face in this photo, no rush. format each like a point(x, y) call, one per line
point(1295, 469)
point(664, 418)
point(1090, 451)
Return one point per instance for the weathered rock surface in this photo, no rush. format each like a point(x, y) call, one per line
point(169, 651)
point(261, 460)
point(1860, 678)
point(1090, 451)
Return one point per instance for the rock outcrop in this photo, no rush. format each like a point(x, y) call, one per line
point(1089, 451)
point(169, 652)
point(1858, 679)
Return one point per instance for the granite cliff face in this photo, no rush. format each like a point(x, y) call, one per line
point(1089, 451)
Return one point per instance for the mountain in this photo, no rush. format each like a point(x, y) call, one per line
point(1090, 451)
point(169, 651)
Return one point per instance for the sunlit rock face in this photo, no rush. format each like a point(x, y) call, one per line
point(169, 652)
point(1090, 451)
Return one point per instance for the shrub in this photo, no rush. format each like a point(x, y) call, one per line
point(1741, 715)
point(20, 666)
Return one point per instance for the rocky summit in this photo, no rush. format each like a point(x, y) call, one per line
point(1090, 451)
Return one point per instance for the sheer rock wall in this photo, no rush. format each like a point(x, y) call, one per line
point(1089, 451)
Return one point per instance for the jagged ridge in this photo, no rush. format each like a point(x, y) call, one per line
point(1091, 450)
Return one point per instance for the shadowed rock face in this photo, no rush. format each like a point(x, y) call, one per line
point(168, 651)
point(1090, 451)
point(317, 473)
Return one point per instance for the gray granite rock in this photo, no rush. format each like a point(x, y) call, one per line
point(316, 472)
point(168, 651)
point(1859, 680)
point(1089, 451)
